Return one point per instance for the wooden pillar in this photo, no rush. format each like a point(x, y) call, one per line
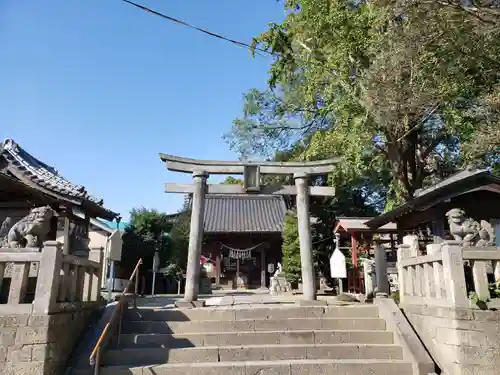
point(67, 239)
point(237, 272)
point(217, 269)
point(263, 268)
point(438, 229)
point(354, 252)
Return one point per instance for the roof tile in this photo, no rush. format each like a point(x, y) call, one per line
point(244, 213)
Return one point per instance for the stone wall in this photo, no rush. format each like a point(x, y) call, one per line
point(461, 341)
point(38, 334)
point(39, 344)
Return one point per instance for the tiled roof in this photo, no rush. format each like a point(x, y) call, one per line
point(244, 213)
point(448, 188)
point(33, 172)
point(358, 224)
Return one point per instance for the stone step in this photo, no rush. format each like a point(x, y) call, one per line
point(286, 367)
point(179, 315)
point(152, 340)
point(141, 357)
point(313, 324)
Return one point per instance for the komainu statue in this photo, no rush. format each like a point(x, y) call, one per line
point(469, 231)
point(30, 231)
point(4, 231)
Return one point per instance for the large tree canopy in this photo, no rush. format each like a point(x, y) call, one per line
point(404, 92)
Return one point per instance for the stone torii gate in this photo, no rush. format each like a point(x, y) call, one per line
point(251, 170)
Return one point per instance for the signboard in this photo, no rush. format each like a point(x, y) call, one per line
point(115, 243)
point(156, 262)
point(338, 269)
point(270, 268)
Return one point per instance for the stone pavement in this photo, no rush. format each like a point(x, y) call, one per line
point(235, 299)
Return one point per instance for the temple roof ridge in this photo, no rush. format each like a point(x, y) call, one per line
point(32, 171)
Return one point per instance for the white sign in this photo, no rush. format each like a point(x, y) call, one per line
point(338, 269)
point(270, 268)
point(115, 243)
point(156, 261)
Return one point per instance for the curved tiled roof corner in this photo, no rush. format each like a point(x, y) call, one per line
point(25, 166)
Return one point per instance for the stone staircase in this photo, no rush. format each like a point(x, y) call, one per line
point(291, 340)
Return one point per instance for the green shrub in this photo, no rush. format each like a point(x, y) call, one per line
point(291, 249)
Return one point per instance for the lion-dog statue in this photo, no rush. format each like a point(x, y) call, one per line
point(31, 230)
point(469, 231)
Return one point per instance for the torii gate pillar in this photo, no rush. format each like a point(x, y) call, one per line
point(195, 236)
point(305, 238)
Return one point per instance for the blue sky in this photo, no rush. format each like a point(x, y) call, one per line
point(97, 88)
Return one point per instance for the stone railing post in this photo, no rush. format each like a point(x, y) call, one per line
point(94, 280)
point(383, 289)
point(405, 284)
point(49, 274)
point(454, 277)
point(368, 277)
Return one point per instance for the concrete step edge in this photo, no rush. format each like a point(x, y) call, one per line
point(256, 332)
point(234, 365)
point(252, 320)
point(193, 348)
point(267, 307)
point(283, 362)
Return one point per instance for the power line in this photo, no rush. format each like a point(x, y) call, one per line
point(204, 31)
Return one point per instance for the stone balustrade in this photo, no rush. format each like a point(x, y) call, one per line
point(462, 337)
point(46, 301)
point(47, 281)
point(438, 279)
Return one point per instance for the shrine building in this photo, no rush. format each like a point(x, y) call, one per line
point(242, 238)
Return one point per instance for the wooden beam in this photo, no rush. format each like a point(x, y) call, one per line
point(324, 191)
point(187, 165)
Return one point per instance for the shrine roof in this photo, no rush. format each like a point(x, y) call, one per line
point(244, 213)
point(460, 183)
point(358, 224)
point(24, 167)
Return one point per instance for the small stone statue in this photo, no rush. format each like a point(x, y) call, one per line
point(31, 230)
point(279, 270)
point(469, 231)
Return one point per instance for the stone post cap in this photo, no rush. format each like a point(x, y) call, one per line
point(452, 243)
point(404, 246)
point(97, 248)
point(297, 175)
point(56, 244)
point(200, 173)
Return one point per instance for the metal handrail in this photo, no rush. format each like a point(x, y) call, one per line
point(94, 356)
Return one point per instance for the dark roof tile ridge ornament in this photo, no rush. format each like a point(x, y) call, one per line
point(40, 173)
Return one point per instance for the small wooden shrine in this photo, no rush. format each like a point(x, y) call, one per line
point(242, 238)
point(356, 238)
point(454, 204)
point(35, 198)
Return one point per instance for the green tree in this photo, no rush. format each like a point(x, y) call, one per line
point(230, 180)
point(410, 88)
point(291, 249)
point(147, 233)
